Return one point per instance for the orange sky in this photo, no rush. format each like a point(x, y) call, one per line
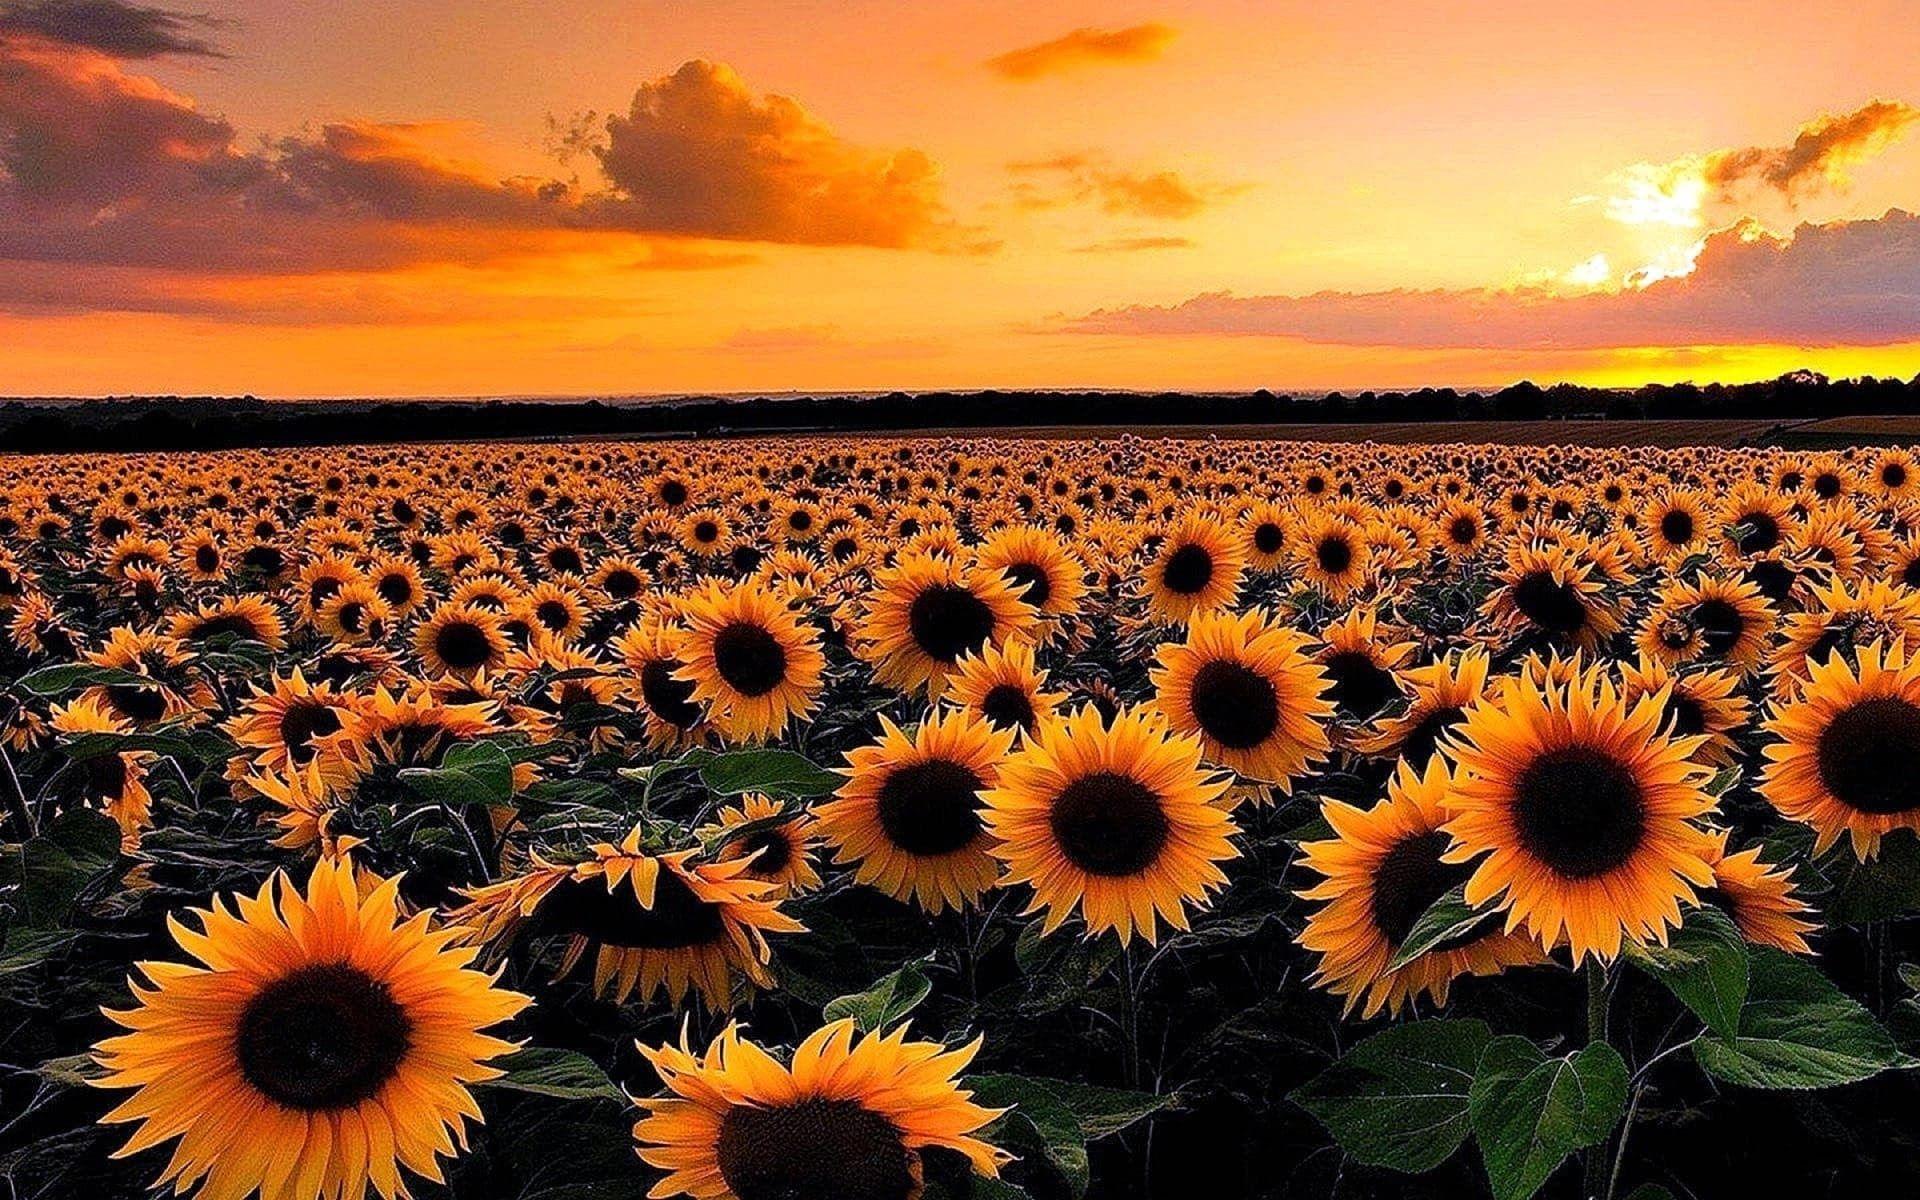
point(436, 197)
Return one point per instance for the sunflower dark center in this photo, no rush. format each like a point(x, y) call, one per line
point(1676, 526)
point(1268, 538)
point(1408, 879)
point(1463, 530)
point(1720, 625)
point(302, 723)
point(930, 808)
point(1773, 577)
point(1552, 605)
point(769, 850)
point(1234, 704)
point(225, 623)
point(813, 1150)
point(1420, 743)
point(1109, 824)
point(674, 493)
point(206, 558)
point(706, 531)
point(668, 698)
point(1006, 706)
point(622, 584)
point(324, 1037)
point(462, 645)
point(106, 776)
point(749, 658)
point(948, 621)
point(1685, 715)
point(1869, 756)
point(1579, 811)
point(1361, 687)
point(1029, 576)
point(1189, 569)
point(265, 559)
point(1760, 532)
point(1827, 485)
point(677, 920)
point(395, 589)
point(141, 705)
point(1893, 475)
point(553, 614)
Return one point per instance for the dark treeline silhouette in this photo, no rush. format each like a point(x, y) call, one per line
point(181, 423)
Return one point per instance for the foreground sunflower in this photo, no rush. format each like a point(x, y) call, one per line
point(929, 610)
point(1246, 686)
point(847, 1120)
point(1383, 869)
point(1848, 755)
point(1198, 569)
point(1582, 808)
point(753, 667)
point(323, 1043)
point(1113, 820)
point(909, 813)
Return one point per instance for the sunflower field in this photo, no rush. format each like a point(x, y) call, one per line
point(877, 819)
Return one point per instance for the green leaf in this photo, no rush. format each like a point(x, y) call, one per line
point(1797, 1030)
point(780, 772)
point(62, 678)
point(1057, 1118)
point(562, 1074)
point(1705, 964)
point(1447, 919)
point(469, 773)
point(1888, 886)
point(1399, 1099)
point(890, 999)
point(52, 869)
point(1530, 1111)
point(1650, 1191)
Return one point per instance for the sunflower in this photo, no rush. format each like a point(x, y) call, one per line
point(115, 781)
point(461, 639)
point(665, 701)
point(1725, 622)
point(1841, 618)
point(1245, 685)
point(1441, 693)
point(909, 814)
point(1004, 686)
point(1700, 702)
point(1581, 807)
point(1383, 869)
point(1847, 758)
point(250, 618)
point(1332, 555)
point(1115, 820)
point(1461, 528)
point(657, 922)
point(1040, 563)
point(928, 610)
point(323, 1043)
point(754, 668)
point(1758, 896)
point(354, 615)
point(777, 841)
point(290, 722)
point(1197, 569)
point(398, 581)
point(1362, 660)
point(848, 1119)
point(1265, 532)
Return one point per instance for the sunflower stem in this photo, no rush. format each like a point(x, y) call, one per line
point(1130, 1016)
point(1595, 1163)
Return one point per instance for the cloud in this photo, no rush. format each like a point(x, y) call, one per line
point(112, 27)
point(1677, 194)
point(1084, 47)
point(1162, 195)
point(1128, 245)
point(699, 153)
point(1845, 283)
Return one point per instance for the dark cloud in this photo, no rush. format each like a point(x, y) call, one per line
point(112, 27)
point(1846, 283)
point(1084, 47)
point(1819, 154)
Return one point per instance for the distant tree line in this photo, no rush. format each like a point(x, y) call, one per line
point(205, 422)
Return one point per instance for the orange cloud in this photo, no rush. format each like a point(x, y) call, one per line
point(1847, 283)
point(1084, 47)
point(1128, 245)
point(1820, 154)
point(1163, 195)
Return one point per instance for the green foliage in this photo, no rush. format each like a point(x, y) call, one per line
point(1705, 964)
point(884, 1004)
point(1530, 1111)
point(1797, 1030)
point(1400, 1098)
point(42, 878)
point(1057, 1119)
point(1446, 919)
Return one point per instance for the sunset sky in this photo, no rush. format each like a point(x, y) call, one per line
point(449, 197)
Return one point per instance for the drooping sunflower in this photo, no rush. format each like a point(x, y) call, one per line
point(1197, 569)
point(250, 618)
point(1247, 687)
point(322, 1044)
point(848, 1119)
point(1386, 867)
point(778, 841)
point(1113, 820)
point(910, 816)
point(114, 782)
point(665, 700)
point(754, 668)
point(1758, 896)
point(1582, 809)
point(1362, 660)
point(656, 922)
point(928, 610)
point(1847, 758)
point(1003, 685)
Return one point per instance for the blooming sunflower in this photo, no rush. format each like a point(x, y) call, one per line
point(1197, 569)
point(848, 1119)
point(1038, 562)
point(461, 639)
point(1758, 896)
point(1115, 820)
point(777, 841)
point(1549, 593)
point(1581, 807)
point(928, 610)
point(1386, 867)
point(910, 812)
point(115, 781)
point(322, 1044)
point(1848, 755)
point(1332, 555)
point(1726, 622)
point(1703, 701)
point(1003, 685)
point(656, 922)
point(1441, 692)
point(752, 665)
point(1246, 686)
